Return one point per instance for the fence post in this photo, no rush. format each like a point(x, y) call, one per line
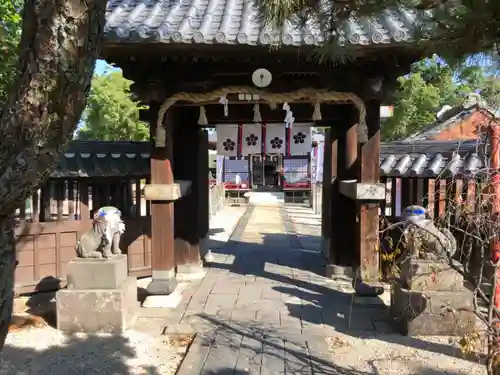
point(210, 203)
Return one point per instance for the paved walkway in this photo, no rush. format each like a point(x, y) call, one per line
point(264, 308)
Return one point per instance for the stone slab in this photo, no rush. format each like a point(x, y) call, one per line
point(97, 310)
point(189, 272)
point(429, 275)
point(97, 273)
point(432, 313)
point(333, 271)
point(169, 301)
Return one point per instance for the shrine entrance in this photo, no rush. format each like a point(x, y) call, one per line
point(265, 171)
point(200, 75)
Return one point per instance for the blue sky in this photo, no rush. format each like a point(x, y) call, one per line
point(101, 66)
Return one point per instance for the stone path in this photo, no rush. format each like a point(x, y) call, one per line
point(264, 308)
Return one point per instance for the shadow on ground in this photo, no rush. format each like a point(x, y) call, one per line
point(300, 276)
point(420, 371)
point(79, 356)
point(239, 349)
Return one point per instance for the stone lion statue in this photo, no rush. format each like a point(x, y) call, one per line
point(103, 239)
point(425, 240)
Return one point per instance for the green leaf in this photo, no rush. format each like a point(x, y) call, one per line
point(112, 114)
point(430, 85)
point(10, 35)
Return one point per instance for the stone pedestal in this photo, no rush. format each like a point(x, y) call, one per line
point(100, 298)
point(430, 299)
point(163, 290)
point(97, 273)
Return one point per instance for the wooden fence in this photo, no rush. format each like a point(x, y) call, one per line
point(438, 196)
point(52, 220)
point(434, 194)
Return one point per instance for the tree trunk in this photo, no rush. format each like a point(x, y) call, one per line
point(59, 45)
point(7, 266)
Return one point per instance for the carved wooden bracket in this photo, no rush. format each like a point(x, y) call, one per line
point(362, 191)
point(167, 192)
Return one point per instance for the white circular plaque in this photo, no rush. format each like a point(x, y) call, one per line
point(262, 77)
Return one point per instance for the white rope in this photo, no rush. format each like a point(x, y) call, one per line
point(312, 94)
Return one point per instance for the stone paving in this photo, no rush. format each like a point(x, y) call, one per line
point(264, 308)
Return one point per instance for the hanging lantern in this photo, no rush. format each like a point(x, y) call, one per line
point(272, 106)
point(316, 116)
point(256, 113)
point(202, 119)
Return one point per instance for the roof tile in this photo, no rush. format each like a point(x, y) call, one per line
point(432, 159)
point(237, 22)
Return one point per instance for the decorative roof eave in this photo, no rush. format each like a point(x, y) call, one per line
point(98, 159)
point(433, 159)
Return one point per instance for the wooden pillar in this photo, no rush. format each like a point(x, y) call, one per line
point(338, 211)
point(345, 210)
point(329, 163)
point(162, 212)
point(204, 185)
point(191, 211)
point(368, 211)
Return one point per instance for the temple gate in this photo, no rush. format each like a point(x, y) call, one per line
point(193, 73)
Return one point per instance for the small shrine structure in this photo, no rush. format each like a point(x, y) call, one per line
point(213, 64)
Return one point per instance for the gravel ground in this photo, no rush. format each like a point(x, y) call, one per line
point(394, 354)
point(45, 351)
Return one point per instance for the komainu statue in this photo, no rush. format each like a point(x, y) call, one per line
point(426, 241)
point(102, 241)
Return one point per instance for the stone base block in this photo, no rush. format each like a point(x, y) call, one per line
point(97, 273)
point(325, 247)
point(432, 313)
point(188, 272)
point(165, 301)
point(425, 275)
point(97, 310)
point(333, 271)
point(208, 257)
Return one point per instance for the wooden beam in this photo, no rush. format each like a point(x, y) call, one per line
point(162, 75)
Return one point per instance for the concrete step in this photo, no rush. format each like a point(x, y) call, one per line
point(258, 198)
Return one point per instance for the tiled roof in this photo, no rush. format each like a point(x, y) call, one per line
point(104, 159)
point(237, 22)
point(432, 159)
point(453, 116)
point(423, 159)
